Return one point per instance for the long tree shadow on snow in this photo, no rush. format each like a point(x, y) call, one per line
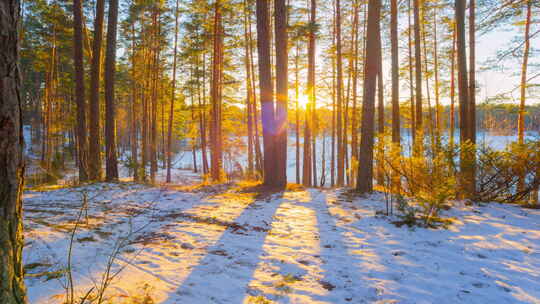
point(338, 263)
point(404, 265)
point(229, 264)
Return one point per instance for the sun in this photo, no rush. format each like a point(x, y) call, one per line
point(303, 100)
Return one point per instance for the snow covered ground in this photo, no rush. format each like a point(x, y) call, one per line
point(226, 245)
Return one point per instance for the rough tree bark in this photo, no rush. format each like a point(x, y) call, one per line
point(453, 88)
point(411, 79)
point(310, 121)
point(111, 172)
point(472, 70)
point(134, 122)
point(266, 92)
point(280, 8)
point(12, 289)
point(365, 172)
point(472, 92)
point(339, 100)
point(94, 155)
point(467, 180)
point(249, 101)
point(82, 139)
point(173, 94)
point(354, 112)
point(215, 130)
point(418, 71)
point(395, 71)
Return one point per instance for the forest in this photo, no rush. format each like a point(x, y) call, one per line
point(269, 151)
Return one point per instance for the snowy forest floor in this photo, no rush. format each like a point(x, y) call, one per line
point(224, 244)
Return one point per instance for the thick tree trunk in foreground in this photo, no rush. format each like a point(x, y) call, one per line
point(94, 155)
point(110, 107)
point(82, 139)
point(12, 289)
point(266, 92)
point(365, 172)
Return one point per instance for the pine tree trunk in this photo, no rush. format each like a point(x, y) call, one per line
point(307, 164)
point(523, 84)
point(82, 141)
point(453, 88)
point(134, 137)
point(411, 79)
point(472, 91)
point(426, 78)
point(144, 150)
point(380, 111)
point(523, 87)
point(310, 140)
point(249, 108)
point(173, 97)
point(346, 106)
point(322, 180)
point(94, 156)
point(281, 46)
point(394, 50)
point(202, 118)
point(194, 126)
point(202, 130)
point(339, 101)
point(396, 136)
point(467, 180)
point(418, 72)
point(297, 112)
point(333, 142)
point(354, 113)
point(365, 172)
point(438, 123)
point(472, 70)
point(254, 111)
point(155, 93)
point(110, 107)
point(215, 130)
point(266, 92)
point(12, 289)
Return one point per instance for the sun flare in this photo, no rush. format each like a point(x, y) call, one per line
point(303, 100)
